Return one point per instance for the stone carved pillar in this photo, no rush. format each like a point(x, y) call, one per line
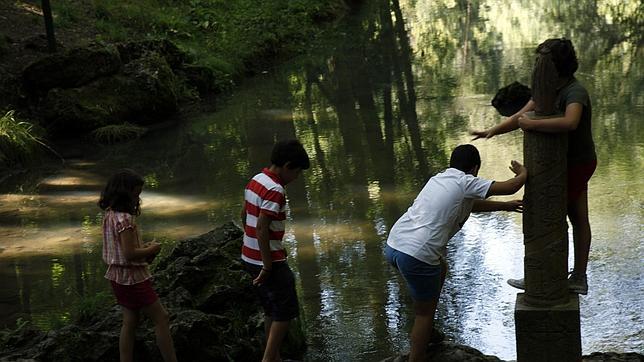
point(544, 219)
point(546, 315)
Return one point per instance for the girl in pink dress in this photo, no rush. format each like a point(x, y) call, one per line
point(127, 263)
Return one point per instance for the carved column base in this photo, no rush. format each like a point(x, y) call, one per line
point(547, 334)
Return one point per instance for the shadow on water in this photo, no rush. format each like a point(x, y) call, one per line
point(378, 104)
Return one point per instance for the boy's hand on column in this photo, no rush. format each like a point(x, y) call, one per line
point(525, 122)
point(514, 205)
point(517, 168)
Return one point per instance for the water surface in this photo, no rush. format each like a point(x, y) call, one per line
point(378, 105)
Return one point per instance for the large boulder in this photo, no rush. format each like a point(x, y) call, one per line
point(449, 352)
point(202, 78)
point(142, 93)
point(70, 69)
point(613, 357)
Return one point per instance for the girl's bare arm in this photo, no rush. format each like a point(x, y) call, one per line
point(568, 122)
point(131, 252)
point(507, 125)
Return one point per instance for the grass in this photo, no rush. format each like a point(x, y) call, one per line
point(116, 133)
point(7, 333)
point(19, 143)
point(89, 307)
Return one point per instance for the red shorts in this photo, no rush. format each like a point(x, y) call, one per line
point(578, 176)
point(135, 296)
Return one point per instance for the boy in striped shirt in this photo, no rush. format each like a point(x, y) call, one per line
point(263, 255)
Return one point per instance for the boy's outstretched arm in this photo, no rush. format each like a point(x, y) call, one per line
point(510, 186)
point(489, 205)
point(568, 122)
point(507, 125)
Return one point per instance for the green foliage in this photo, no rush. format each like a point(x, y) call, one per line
point(88, 307)
point(244, 32)
point(167, 245)
point(66, 13)
point(18, 142)
point(115, 133)
point(109, 31)
point(7, 334)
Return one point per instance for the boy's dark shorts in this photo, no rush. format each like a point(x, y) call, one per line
point(423, 280)
point(277, 294)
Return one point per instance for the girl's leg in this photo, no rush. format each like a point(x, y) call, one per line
point(578, 215)
point(128, 331)
point(422, 329)
point(161, 320)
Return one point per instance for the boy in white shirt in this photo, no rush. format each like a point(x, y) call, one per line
point(417, 242)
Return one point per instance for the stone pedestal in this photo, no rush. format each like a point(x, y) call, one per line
point(546, 316)
point(547, 334)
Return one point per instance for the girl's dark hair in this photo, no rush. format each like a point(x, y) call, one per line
point(118, 194)
point(464, 158)
point(563, 55)
point(290, 151)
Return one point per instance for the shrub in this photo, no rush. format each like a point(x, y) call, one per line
point(18, 142)
point(115, 133)
point(89, 307)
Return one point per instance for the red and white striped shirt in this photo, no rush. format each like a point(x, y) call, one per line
point(119, 269)
point(264, 194)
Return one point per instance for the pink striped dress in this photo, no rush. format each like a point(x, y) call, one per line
point(119, 269)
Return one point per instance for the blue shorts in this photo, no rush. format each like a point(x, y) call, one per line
point(277, 294)
point(423, 280)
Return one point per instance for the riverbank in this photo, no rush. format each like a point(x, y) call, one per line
point(201, 50)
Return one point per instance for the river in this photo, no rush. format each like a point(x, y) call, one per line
point(378, 104)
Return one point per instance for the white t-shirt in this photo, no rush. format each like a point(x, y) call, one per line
point(438, 212)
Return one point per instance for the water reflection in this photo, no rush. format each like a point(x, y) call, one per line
point(378, 107)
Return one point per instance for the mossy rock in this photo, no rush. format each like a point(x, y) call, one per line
point(144, 92)
point(69, 69)
point(131, 51)
point(200, 77)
